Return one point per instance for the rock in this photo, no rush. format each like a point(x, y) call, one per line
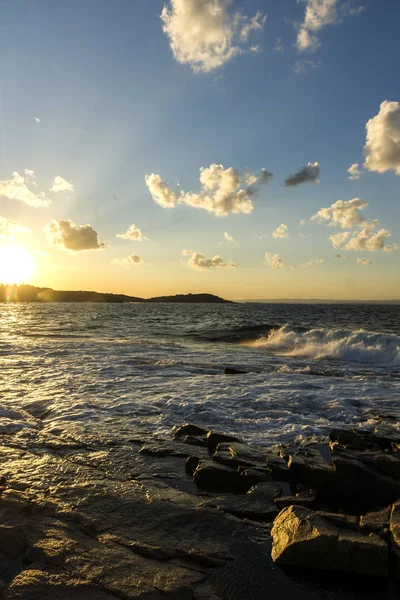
point(191, 464)
point(258, 504)
point(305, 538)
point(376, 522)
point(188, 429)
point(299, 500)
point(308, 465)
point(256, 474)
point(278, 466)
point(214, 438)
point(214, 477)
point(238, 454)
point(395, 524)
point(195, 441)
point(233, 371)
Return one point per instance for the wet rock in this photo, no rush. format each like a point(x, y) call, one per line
point(308, 465)
point(278, 466)
point(191, 464)
point(305, 538)
point(395, 524)
point(258, 504)
point(214, 438)
point(189, 430)
point(256, 474)
point(237, 454)
point(376, 522)
point(214, 477)
point(233, 371)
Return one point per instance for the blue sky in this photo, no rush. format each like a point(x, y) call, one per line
point(115, 104)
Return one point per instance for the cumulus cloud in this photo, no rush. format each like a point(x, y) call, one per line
point(61, 185)
point(339, 238)
point(228, 237)
point(133, 233)
point(65, 234)
point(319, 14)
point(16, 188)
point(205, 34)
point(9, 229)
point(274, 261)
point(343, 213)
point(354, 171)
point(370, 241)
point(281, 231)
point(382, 146)
point(222, 191)
point(127, 261)
point(310, 173)
point(199, 261)
point(37, 119)
point(301, 67)
point(363, 261)
point(312, 262)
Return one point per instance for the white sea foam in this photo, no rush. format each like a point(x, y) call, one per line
point(377, 349)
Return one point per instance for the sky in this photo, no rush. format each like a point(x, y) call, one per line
point(245, 148)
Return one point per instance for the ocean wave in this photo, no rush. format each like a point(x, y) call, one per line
point(377, 349)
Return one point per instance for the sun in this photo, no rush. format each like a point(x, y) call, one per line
point(16, 265)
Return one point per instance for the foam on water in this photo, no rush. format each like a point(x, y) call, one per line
point(377, 349)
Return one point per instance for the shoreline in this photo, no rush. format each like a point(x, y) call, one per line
point(195, 516)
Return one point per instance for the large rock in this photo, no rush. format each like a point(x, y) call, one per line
point(305, 538)
point(234, 454)
point(310, 466)
point(214, 477)
point(258, 504)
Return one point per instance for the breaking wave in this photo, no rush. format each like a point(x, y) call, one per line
point(377, 349)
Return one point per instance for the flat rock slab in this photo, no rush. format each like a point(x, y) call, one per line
point(258, 504)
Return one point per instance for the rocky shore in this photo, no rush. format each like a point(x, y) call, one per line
point(199, 516)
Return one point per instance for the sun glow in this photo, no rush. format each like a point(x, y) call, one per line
point(16, 265)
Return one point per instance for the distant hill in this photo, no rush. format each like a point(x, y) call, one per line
point(190, 298)
point(30, 293)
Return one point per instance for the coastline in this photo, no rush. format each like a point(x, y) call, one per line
point(189, 517)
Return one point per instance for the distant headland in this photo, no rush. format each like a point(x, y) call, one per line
point(30, 293)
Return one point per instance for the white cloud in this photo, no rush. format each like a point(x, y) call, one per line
point(281, 231)
point(133, 233)
point(61, 185)
point(16, 189)
point(301, 67)
point(199, 261)
point(339, 238)
point(65, 234)
point(345, 214)
point(279, 47)
point(363, 261)
point(382, 146)
point(37, 119)
point(274, 261)
point(310, 173)
point(312, 262)
point(222, 191)
point(370, 241)
point(319, 14)
point(29, 173)
point(354, 171)
point(228, 237)
point(9, 229)
point(127, 261)
point(205, 34)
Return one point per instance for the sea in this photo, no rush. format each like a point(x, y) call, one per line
point(115, 371)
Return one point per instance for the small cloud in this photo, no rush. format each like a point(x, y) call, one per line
point(223, 191)
point(341, 256)
point(29, 173)
point(370, 241)
point(16, 188)
point(339, 238)
point(37, 119)
point(274, 261)
point(382, 146)
point(281, 231)
point(65, 234)
point(9, 229)
point(127, 261)
point(344, 213)
point(363, 261)
point(61, 185)
point(309, 173)
point(205, 34)
point(279, 47)
point(228, 237)
point(354, 171)
point(301, 67)
point(133, 233)
point(199, 261)
point(312, 262)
